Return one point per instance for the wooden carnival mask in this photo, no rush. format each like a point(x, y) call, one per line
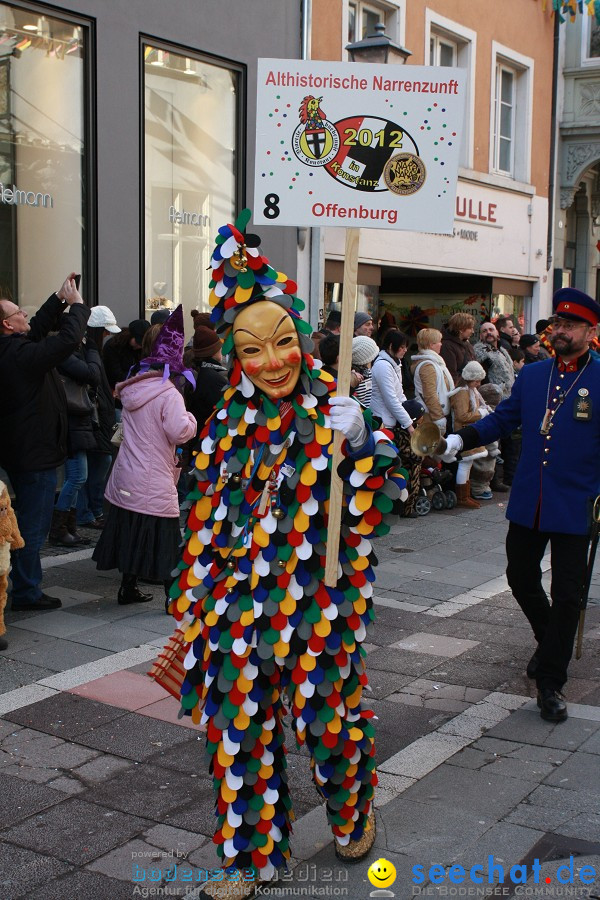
point(268, 348)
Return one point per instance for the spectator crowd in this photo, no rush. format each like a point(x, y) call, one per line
point(88, 394)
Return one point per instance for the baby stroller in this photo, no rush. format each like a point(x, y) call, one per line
point(434, 488)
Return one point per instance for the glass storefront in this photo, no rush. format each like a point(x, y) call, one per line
point(42, 127)
point(192, 155)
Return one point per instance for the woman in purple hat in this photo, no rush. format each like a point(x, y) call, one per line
point(141, 537)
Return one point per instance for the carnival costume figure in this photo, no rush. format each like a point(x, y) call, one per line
point(262, 631)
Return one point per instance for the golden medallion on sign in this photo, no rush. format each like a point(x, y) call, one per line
point(404, 174)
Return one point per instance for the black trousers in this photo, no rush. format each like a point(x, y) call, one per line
point(554, 624)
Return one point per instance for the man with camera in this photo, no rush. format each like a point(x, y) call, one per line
point(33, 437)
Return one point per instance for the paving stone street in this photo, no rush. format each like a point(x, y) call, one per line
point(106, 793)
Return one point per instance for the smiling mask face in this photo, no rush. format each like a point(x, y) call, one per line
point(267, 346)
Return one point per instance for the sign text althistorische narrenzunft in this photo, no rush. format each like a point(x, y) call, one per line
point(347, 144)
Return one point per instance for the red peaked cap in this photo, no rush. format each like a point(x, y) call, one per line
point(569, 303)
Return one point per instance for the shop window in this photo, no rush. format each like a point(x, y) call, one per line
point(511, 117)
point(42, 159)
point(191, 160)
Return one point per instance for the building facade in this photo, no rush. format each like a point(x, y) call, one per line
point(126, 140)
point(496, 259)
point(577, 232)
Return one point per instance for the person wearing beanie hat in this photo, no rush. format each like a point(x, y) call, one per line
point(530, 345)
point(259, 627)
point(468, 406)
point(201, 319)
point(159, 316)
point(141, 535)
point(473, 371)
point(363, 324)
point(364, 351)
point(206, 343)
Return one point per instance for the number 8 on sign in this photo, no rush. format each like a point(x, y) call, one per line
point(271, 210)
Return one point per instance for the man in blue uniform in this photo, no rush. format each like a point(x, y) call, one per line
point(557, 403)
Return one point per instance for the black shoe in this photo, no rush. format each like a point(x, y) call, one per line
point(499, 487)
point(532, 665)
point(552, 707)
point(45, 602)
point(129, 595)
point(3, 643)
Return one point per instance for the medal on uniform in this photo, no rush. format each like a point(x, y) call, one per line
point(582, 408)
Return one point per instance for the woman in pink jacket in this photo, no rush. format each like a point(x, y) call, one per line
point(141, 537)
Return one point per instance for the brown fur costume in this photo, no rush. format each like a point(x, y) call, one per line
point(10, 539)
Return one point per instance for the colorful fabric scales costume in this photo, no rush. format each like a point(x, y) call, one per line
point(262, 629)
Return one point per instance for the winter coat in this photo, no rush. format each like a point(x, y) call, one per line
point(498, 366)
point(33, 415)
point(211, 378)
point(468, 407)
point(387, 394)
point(155, 422)
point(433, 382)
point(82, 367)
point(558, 473)
point(456, 353)
point(118, 360)
point(105, 401)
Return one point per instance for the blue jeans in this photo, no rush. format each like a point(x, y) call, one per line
point(34, 502)
point(76, 473)
point(90, 500)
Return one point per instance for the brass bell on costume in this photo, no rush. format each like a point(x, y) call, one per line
point(427, 440)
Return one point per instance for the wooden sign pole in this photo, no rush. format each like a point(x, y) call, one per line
point(343, 390)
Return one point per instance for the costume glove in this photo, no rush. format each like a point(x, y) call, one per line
point(346, 416)
point(454, 444)
point(441, 424)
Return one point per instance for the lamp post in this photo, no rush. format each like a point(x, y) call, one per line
point(378, 48)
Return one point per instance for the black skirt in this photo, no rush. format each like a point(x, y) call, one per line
point(137, 544)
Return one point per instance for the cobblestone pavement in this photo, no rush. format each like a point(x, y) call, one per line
point(106, 792)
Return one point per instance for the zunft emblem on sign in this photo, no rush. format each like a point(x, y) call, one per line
point(16, 197)
point(338, 142)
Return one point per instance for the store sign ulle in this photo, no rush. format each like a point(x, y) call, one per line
point(475, 210)
point(13, 196)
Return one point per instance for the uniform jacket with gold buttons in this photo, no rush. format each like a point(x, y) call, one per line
point(558, 475)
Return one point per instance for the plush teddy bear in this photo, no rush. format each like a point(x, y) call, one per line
point(10, 539)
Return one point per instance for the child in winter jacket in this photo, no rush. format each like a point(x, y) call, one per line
point(468, 406)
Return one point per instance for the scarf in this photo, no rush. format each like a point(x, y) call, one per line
point(444, 381)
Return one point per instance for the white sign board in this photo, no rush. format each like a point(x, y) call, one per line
point(369, 146)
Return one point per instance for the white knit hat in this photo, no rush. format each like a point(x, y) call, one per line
point(364, 350)
point(473, 371)
point(103, 317)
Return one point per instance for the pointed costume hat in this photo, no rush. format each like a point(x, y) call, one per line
point(168, 349)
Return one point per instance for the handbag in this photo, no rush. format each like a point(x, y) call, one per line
point(117, 435)
point(78, 399)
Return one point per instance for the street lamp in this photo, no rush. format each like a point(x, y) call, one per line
point(378, 48)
